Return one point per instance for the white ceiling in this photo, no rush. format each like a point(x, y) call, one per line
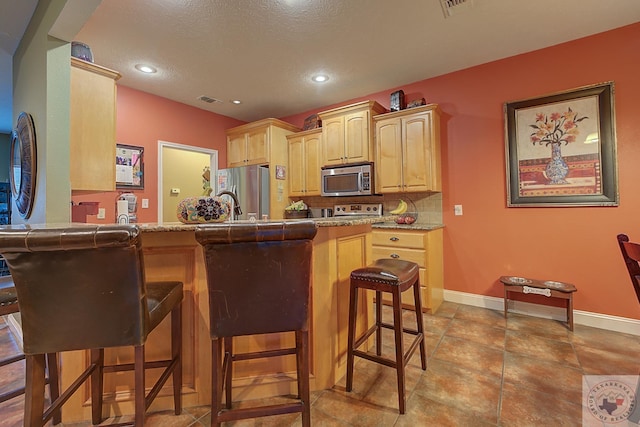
point(265, 52)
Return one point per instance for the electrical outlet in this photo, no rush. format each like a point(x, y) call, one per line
point(145, 203)
point(101, 213)
point(457, 209)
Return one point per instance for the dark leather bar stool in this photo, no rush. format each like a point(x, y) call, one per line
point(258, 275)
point(83, 288)
point(393, 276)
point(9, 305)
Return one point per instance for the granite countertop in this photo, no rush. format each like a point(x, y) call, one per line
point(339, 221)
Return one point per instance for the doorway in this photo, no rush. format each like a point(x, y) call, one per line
point(182, 172)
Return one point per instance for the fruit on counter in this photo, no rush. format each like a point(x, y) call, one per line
point(402, 208)
point(296, 206)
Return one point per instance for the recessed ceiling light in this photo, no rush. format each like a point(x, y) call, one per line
point(146, 68)
point(236, 101)
point(320, 78)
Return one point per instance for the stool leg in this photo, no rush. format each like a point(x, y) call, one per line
point(570, 312)
point(140, 406)
point(176, 351)
point(418, 303)
point(216, 380)
point(54, 384)
point(397, 325)
point(97, 359)
point(353, 308)
point(378, 323)
point(34, 390)
point(227, 366)
point(302, 355)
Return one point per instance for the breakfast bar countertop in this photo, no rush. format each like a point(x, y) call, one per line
point(336, 221)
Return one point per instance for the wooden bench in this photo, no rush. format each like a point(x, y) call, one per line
point(548, 288)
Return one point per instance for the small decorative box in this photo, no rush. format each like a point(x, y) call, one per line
point(312, 122)
point(416, 103)
point(397, 101)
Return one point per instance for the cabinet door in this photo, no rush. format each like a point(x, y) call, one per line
point(257, 147)
point(357, 137)
point(92, 131)
point(417, 154)
point(313, 163)
point(296, 167)
point(236, 150)
point(333, 141)
point(389, 156)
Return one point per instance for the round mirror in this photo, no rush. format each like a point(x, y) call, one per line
point(23, 164)
point(16, 164)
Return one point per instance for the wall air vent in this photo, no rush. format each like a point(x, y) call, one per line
point(208, 99)
point(452, 7)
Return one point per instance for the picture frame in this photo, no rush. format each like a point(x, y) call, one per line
point(561, 149)
point(281, 172)
point(129, 167)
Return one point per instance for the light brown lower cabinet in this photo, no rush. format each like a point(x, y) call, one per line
point(424, 247)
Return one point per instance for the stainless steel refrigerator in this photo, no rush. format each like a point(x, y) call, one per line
point(250, 184)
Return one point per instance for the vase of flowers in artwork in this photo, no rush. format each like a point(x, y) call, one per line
point(554, 130)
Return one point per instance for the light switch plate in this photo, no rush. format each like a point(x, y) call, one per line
point(101, 213)
point(145, 203)
point(457, 209)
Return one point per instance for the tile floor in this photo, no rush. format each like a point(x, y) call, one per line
point(482, 370)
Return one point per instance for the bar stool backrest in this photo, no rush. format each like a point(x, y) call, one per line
point(79, 287)
point(258, 275)
point(631, 255)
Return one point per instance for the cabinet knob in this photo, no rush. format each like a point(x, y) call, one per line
point(395, 256)
point(394, 239)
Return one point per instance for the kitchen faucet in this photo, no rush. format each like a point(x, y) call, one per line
point(236, 204)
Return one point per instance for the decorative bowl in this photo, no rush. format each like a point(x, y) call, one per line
point(296, 214)
point(198, 210)
point(407, 218)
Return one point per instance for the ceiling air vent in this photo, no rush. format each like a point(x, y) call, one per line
point(451, 7)
point(208, 99)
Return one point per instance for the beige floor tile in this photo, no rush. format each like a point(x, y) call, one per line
point(493, 318)
point(461, 388)
point(477, 332)
point(595, 361)
point(606, 340)
point(541, 348)
point(544, 376)
point(422, 411)
point(447, 309)
point(525, 407)
point(470, 355)
point(529, 325)
point(353, 411)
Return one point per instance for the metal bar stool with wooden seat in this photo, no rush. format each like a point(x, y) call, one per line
point(9, 305)
point(393, 276)
point(258, 276)
point(83, 288)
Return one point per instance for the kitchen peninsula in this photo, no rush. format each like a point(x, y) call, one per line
point(172, 253)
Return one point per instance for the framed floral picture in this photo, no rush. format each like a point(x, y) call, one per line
point(561, 149)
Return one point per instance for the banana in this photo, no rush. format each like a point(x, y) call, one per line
point(402, 208)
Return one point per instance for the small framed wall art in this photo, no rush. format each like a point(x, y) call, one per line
point(129, 167)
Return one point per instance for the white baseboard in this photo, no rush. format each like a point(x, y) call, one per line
point(586, 318)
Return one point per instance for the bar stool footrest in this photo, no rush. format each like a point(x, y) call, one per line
point(261, 411)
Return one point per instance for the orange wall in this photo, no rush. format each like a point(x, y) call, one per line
point(142, 120)
point(577, 244)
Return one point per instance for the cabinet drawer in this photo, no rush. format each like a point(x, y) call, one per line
point(413, 255)
point(398, 239)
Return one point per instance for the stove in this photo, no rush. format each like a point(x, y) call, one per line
point(366, 209)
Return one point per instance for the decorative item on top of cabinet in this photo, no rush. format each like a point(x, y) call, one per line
point(419, 246)
point(305, 161)
point(347, 133)
point(408, 150)
point(93, 126)
point(397, 101)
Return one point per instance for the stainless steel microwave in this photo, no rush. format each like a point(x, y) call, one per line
point(348, 180)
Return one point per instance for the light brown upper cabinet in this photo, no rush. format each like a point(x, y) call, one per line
point(408, 150)
point(305, 161)
point(347, 133)
point(253, 143)
point(93, 127)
